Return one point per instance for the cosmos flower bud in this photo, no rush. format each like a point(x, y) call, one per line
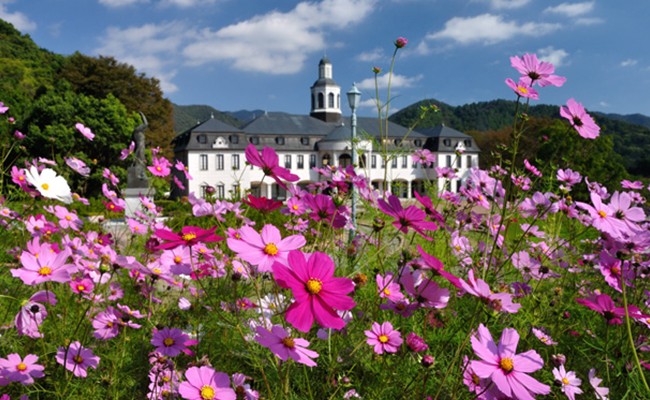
point(401, 42)
point(427, 361)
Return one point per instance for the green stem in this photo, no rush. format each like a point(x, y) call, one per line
point(629, 336)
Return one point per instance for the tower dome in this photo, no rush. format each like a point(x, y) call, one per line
point(325, 94)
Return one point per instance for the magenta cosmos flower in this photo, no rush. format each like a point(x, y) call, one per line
point(500, 365)
point(534, 71)
point(383, 338)
point(262, 250)
point(401, 42)
point(284, 346)
point(204, 383)
point(161, 167)
point(23, 370)
point(268, 161)
point(169, 341)
point(318, 294)
point(410, 217)
point(523, 89)
point(77, 359)
point(580, 120)
point(189, 236)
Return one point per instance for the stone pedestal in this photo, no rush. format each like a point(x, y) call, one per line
point(137, 184)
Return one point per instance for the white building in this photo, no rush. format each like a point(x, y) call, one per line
point(213, 151)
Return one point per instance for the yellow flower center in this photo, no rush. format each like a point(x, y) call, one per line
point(81, 288)
point(78, 359)
point(383, 338)
point(387, 292)
point(157, 271)
point(178, 259)
point(271, 249)
point(168, 342)
point(158, 169)
point(506, 364)
point(314, 286)
point(68, 218)
point(288, 342)
point(45, 186)
point(602, 213)
point(295, 207)
point(45, 271)
point(21, 367)
point(565, 381)
point(207, 392)
point(522, 89)
point(189, 236)
point(476, 379)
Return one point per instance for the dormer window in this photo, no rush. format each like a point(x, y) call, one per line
point(254, 140)
point(202, 139)
point(468, 143)
point(447, 142)
point(279, 140)
point(417, 142)
point(304, 140)
point(234, 139)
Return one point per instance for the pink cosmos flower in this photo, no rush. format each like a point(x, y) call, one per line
point(498, 301)
point(435, 265)
point(500, 365)
point(44, 265)
point(410, 217)
point(284, 346)
point(425, 291)
point(523, 89)
point(78, 166)
point(77, 359)
point(126, 152)
point(268, 161)
point(603, 217)
point(82, 285)
point(88, 134)
point(32, 314)
point(265, 248)
point(543, 337)
point(161, 167)
point(242, 388)
point(383, 338)
point(204, 383)
point(633, 185)
point(534, 71)
point(416, 343)
point(604, 305)
point(580, 120)
point(602, 393)
point(388, 287)
point(569, 382)
point(3, 108)
point(169, 341)
point(318, 294)
point(23, 370)
point(189, 236)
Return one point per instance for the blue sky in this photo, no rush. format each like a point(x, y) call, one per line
point(263, 54)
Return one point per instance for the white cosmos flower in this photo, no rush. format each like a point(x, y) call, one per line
point(49, 184)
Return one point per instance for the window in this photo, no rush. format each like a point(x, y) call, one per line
point(468, 143)
point(330, 99)
point(373, 161)
point(321, 100)
point(254, 140)
point(469, 161)
point(417, 142)
point(393, 162)
point(203, 162)
point(301, 161)
point(312, 160)
point(459, 162)
point(447, 142)
point(219, 162)
point(204, 191)
point(202, 139)
point(304, 140)
point(221, 191)
point(235, 191)
point(234, 139)
point(448, 164)
point(235, 161)
point(287, 161)
point(404, 162)
point(383, 161)
point(279, 140)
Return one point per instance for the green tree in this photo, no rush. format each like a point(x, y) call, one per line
point(102, 76)
point(52, 134)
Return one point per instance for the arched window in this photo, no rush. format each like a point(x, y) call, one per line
point(325, 161)
point(321, 100)
point(330, 102)
point(338, 101)
point(313, 101)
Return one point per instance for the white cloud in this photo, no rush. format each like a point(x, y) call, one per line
point(571, 9)
point(397, 81)
point(588, 21)
point(373, 55)
point(150, 48)
point(552, 55)
point(507, 4)
point(19, 20)
point(629, 62)
point(277, 42)
point(187, 3)
point(489, 29)
point(120, 3)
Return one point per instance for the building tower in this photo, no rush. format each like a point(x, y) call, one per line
point(325, 94)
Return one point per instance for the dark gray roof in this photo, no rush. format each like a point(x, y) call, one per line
point(214, 125)
point(324, 82)
point(443, 131)
point(279, 123)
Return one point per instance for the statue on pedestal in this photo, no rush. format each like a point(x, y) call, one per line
point(137, 177)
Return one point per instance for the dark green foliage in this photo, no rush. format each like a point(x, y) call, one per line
point(186, 117)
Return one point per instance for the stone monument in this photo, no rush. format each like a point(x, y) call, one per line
point(137, 183)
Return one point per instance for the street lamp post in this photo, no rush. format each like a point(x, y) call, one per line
point(354, 96)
